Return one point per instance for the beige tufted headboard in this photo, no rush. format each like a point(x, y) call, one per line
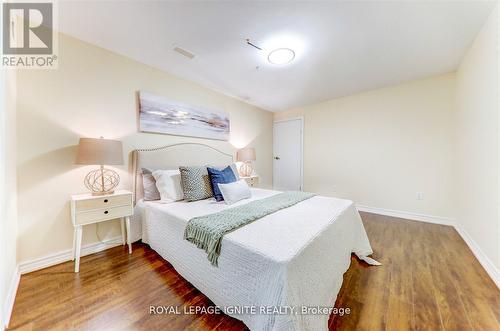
point(173, 156)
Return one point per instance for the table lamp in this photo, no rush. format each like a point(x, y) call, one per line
point(246, 155)
point(92, 151)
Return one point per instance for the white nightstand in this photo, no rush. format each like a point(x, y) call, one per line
point(89, 209)
point(252, 181)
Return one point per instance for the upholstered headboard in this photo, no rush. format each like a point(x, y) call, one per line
point(173, 156)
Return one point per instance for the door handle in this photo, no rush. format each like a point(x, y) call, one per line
point(276, 157)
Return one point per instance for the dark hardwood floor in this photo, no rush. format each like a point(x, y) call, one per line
point(429, 281)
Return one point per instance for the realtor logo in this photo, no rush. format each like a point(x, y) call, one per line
point(28, 35)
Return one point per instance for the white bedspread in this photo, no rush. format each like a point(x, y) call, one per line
point(295, 257)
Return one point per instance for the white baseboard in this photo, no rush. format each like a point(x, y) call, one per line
point(11, 296)
point(408, 215)
point(53, 259)
point(488, 266)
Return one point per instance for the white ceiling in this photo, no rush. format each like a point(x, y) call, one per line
point(342, 47)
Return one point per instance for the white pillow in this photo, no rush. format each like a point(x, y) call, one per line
point(169, 185)
point(235, 191)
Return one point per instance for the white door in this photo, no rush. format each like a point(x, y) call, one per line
point(287, 163)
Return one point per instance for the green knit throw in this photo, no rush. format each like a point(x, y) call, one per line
point(207, 231)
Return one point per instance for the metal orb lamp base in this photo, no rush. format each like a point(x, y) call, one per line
point(246, 169)
point(102, 181)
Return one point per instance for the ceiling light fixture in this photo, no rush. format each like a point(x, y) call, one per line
point(281, 56)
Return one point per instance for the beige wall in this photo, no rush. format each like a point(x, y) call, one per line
point(380, 148)
point(93, 94)
point(8, 208)
point(477, 140)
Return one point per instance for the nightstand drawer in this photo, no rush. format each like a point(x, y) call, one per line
point(96, 215)
point(103, 202)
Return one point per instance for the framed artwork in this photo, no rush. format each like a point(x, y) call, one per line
point(158, 114)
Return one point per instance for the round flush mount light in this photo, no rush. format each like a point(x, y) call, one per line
point(281, 56)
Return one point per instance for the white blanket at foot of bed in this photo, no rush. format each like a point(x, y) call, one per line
point(289, 260)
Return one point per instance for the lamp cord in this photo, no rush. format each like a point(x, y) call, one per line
point(97, 233)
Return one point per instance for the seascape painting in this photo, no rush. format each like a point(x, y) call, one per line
point(161, 115)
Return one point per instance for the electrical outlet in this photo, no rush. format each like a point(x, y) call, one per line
point(420, 195)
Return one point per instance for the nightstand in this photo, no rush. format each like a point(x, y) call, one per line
point(89, 209)
point(252, 181)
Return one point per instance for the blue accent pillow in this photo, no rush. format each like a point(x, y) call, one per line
point(223, 176)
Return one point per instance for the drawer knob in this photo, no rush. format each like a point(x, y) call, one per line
point(105, 200)
point(105, 212)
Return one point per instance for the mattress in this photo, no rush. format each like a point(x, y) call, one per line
point(286, 262)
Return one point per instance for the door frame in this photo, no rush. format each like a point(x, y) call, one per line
point(296, 118)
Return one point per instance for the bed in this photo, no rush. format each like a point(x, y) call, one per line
point(272, 273)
